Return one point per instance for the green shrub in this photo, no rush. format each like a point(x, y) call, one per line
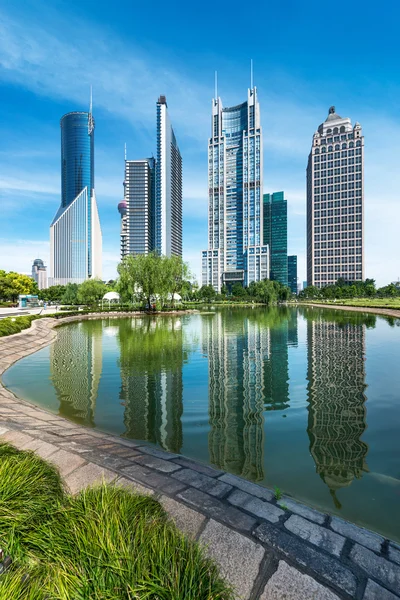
point(103, 544)
point(11, 325)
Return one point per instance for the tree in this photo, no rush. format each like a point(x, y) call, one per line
point(13, 284)
point(238, 291)
point(91, 291)
point(141, 275)
point(70, 295)
point(207, 292)
point(175, 272)
point(52, 294)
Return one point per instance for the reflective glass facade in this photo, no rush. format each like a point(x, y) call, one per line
point(235, 157)
point(77, 155)
point(75, 235)
point(275, 235)
point(292, 273)
point(140, 206)
point(168, 200)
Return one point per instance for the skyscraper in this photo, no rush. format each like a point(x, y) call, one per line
point(292, 273)
point(39, 273)
point(75, 234)
point(138, 229)
point(335, 202)
point(275, 235)
point(236, 252)
point(168, 214)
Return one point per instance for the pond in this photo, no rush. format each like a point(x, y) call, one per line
point(304, 399)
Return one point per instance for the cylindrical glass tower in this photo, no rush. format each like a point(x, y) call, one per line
point(77, 155)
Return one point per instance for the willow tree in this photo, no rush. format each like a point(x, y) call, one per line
point(141, 275)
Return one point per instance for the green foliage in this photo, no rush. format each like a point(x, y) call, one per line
point(70, 296)
point(151, 278)
point(11, 325)
point(91, 291)
point(105, 543)
point(53, 293)
point(277, 493)
point(343, 290)
point(13, 284)
point(206, 292)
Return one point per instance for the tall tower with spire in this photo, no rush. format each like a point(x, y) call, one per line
point(236, 252)
point(75, 234)
point(335, 202)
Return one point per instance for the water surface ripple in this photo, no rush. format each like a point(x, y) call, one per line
point(304, 399)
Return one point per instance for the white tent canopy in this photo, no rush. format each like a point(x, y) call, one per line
point(110, 297)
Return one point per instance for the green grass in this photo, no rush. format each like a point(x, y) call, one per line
point(103, 544)
point(363, 302)
point(278, 493)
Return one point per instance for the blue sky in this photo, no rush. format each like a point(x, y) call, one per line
point(307, 56)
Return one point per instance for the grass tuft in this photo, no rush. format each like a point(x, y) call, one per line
point(106, 543)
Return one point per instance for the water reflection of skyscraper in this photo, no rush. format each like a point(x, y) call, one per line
point(76, 364)
point(151, 361)
point(337, 413)
point(236, 352)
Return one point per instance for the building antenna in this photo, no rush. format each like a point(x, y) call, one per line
point(216, 85)
point(125, 151)
point(90, 119)
point(251, 74)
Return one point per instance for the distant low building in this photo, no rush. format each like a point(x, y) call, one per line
point(39, 273)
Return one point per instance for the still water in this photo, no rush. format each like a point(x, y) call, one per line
point(304, 399)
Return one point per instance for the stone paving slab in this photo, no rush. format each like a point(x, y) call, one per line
point(66, 462)
point(316, 562)
point(373, 591)
point(315, 534)
point(265, 551)
point(88, 475)
point(187, 520)
point(358, 534)
point(302, 510)
point(290, 584)
point(375, 566)
point(238, 557)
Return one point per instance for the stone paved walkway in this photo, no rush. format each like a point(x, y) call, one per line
point(268, 550)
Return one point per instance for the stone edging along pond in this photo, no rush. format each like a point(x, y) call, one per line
point(266, 548)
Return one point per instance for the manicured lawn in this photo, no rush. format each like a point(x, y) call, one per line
point(105, 543)
point(367, 302)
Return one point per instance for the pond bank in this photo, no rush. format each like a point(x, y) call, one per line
point(388, 312)
point(265, 548)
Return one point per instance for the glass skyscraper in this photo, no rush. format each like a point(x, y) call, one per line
point(168, 214)
point(236, 252)
point(335, 202)
point(275, 235)
point(75, 234)
point(292, 273)
point(138, 229)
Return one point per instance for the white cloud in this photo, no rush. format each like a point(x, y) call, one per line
point(18, 255)
point(60, 58)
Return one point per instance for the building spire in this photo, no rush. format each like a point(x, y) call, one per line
point(251, 74)
point(216, 85)
point(125, 151)
point(90, 119)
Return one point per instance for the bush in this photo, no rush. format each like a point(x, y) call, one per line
point(11, 325)
point(105, 543)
